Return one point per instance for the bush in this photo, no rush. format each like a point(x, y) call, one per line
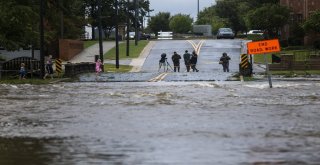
point(295, 41)
point(241, 36)
point(284, 43)
point(316, 44)
point(255, 37)
point(295, 48)
point(2, 59)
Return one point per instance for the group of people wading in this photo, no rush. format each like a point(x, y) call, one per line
point(190, 61)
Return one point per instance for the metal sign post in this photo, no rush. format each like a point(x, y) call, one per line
point(263, 47)
point(267, 70)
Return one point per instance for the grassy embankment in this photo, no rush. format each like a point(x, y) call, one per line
point(89, 43)
point(134, 52)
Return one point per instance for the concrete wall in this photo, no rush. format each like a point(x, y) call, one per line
point(301, 10)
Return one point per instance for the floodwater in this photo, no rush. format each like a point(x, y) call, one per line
point(223, 123)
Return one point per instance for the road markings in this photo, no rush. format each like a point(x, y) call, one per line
point(160, 77)
point(196, 47)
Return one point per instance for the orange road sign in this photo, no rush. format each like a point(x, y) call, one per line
point(261, 47)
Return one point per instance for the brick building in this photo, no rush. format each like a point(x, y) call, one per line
point(301, 10)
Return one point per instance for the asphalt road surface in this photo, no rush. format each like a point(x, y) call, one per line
point(209, 52)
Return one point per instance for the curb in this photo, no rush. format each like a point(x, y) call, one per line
point(137, 63)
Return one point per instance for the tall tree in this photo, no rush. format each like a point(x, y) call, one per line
point(18, 20)
point(270, 17)
point(109, 13)
point(160, 22)
point(229, 10)
point(180, 23)
point(312, 24)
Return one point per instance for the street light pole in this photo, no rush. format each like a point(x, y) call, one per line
point(42, 38)
point(198, 9)
point(117, 35)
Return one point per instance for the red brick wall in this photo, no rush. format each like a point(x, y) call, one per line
point(305, 8)
point(69, 48)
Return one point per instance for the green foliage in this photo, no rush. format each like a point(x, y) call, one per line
point(270, 17)
point(255, 37)
point(316, 44)
point(180, 23)
point(209, 16)
point(229, 9)
point(296, 35)
point(160, 22)
point(109, 14)
point(18, 24)
point(19, 19)
point(33, 81)
point(231, 13)
point(313, 22)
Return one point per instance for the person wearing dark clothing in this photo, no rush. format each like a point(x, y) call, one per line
point(193, 61)
point(224, 60)
point(48, 66)
point(176, 61)
point(186, 58)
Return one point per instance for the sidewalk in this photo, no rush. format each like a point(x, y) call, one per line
point(137, 63)
point(87, 55)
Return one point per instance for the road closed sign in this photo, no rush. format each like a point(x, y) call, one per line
point(262, 47)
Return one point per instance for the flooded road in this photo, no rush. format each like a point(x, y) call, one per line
point(225, 123)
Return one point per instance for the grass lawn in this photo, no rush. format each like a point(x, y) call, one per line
point(34, 81)
point(134, 51)
point(112, 68)
point(300, 55)
point(296, 72)
point(89, 43)
point(259, 58)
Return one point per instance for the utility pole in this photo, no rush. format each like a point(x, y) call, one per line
point(100, 33)
point(117, 35)
point(198, 9)
point(42, 11)
point(136, 12)
point(128, 28)
point(60, 6)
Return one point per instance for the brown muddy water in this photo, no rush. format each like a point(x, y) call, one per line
point(223, 123)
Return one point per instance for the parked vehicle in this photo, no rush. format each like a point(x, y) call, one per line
point(225, 33)
point(145, 36)
point(258, 32)
point(131, 35)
